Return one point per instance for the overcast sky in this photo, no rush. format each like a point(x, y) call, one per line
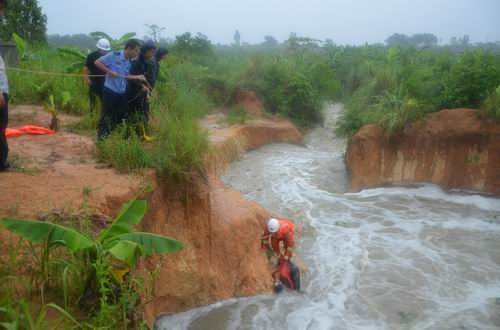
point(343, 21)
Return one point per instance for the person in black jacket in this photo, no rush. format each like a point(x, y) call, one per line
point(154, 67)
point(137, 93)
point(91, 71)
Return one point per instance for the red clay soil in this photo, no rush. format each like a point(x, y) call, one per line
point(221, 230)
point(250, 102)
point(455, 149)
point(53, 171)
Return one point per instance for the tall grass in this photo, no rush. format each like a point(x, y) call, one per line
point(394, 87)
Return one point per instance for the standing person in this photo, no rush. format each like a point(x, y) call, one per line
point(138, 91)
point(117, 67)
point(96, 84)
point(4, 105)
point(154, 68)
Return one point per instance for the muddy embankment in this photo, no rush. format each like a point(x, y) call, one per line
point(221, 230)
point(222, 258)
point(455, 149)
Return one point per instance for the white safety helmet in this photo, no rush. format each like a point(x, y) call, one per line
point(273, 225)
point(104, 44)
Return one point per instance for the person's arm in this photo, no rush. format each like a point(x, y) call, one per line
point(288, 244)
point(104, 68)
point(2, 101)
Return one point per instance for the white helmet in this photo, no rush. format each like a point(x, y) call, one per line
point(104, 44)
point(273, 225)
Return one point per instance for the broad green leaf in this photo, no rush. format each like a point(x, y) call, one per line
point(39, 231)
point(22, 48)
point(100, 34)
point(152, 243)
point(126, 251)
point(65, 98)
point(125, 37)
point(74, 67)
point(130, 214)
point(71, 52)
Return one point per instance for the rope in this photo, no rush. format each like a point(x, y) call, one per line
point(55, 73)
point(156, 100)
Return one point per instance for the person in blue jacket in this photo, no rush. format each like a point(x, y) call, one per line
point(116, 65)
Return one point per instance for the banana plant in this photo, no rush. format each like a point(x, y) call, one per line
point(118, 240)
point(22, 47)
point(116, 44)
point(76, 55)
point(50, 107)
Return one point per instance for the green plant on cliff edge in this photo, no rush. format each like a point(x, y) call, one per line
point(491, 106)
point(108, 259)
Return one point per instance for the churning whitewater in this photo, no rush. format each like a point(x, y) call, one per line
point(387, 258)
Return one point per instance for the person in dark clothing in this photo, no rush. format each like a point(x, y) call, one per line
point(154, 66)
point(137, 92)
point(96, 84)
point(4, 106)
point(117, 67)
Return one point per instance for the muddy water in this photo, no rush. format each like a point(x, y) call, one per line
point(388, 258)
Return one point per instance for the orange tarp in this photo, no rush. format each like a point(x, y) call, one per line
point(28, 129)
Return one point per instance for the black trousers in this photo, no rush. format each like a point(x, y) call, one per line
point(95, 94)
point(138, 110)
point(4, 121)
point(114, 112)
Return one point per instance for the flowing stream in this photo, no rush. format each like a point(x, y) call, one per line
point(387, 258)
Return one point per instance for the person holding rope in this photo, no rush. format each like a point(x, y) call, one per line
point(4, 105)
point(117, 67)
point(138, 91)
point(93, 76)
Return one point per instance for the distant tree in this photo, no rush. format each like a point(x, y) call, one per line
point(398, 39)
point(155, 31)
point(198, 45)
point(464, 41)
point(424, 40)
point(25, 18)
point(270, 41)
point(295, 42)
point(328, 43)
point(81, 40)
point(237, 38)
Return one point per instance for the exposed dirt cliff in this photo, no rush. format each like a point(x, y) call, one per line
point(221, 230)
point(452, 148)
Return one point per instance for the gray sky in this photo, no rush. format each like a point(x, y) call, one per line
point(343, 21)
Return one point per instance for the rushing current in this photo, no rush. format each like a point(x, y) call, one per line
point(387, 258)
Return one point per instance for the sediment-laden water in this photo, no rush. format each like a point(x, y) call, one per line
point(387, 258)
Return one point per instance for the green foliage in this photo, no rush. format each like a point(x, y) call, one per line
point(236, 115)
point(471, 78)
point(22, 47)
point(198, 45)
point(69, 93)
point(76, 55)
point(491, 106)
point(25, 18)
point(59, 274)
point(124, 150)
point(397, 86)
point(52, 234)
point(119, 239)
